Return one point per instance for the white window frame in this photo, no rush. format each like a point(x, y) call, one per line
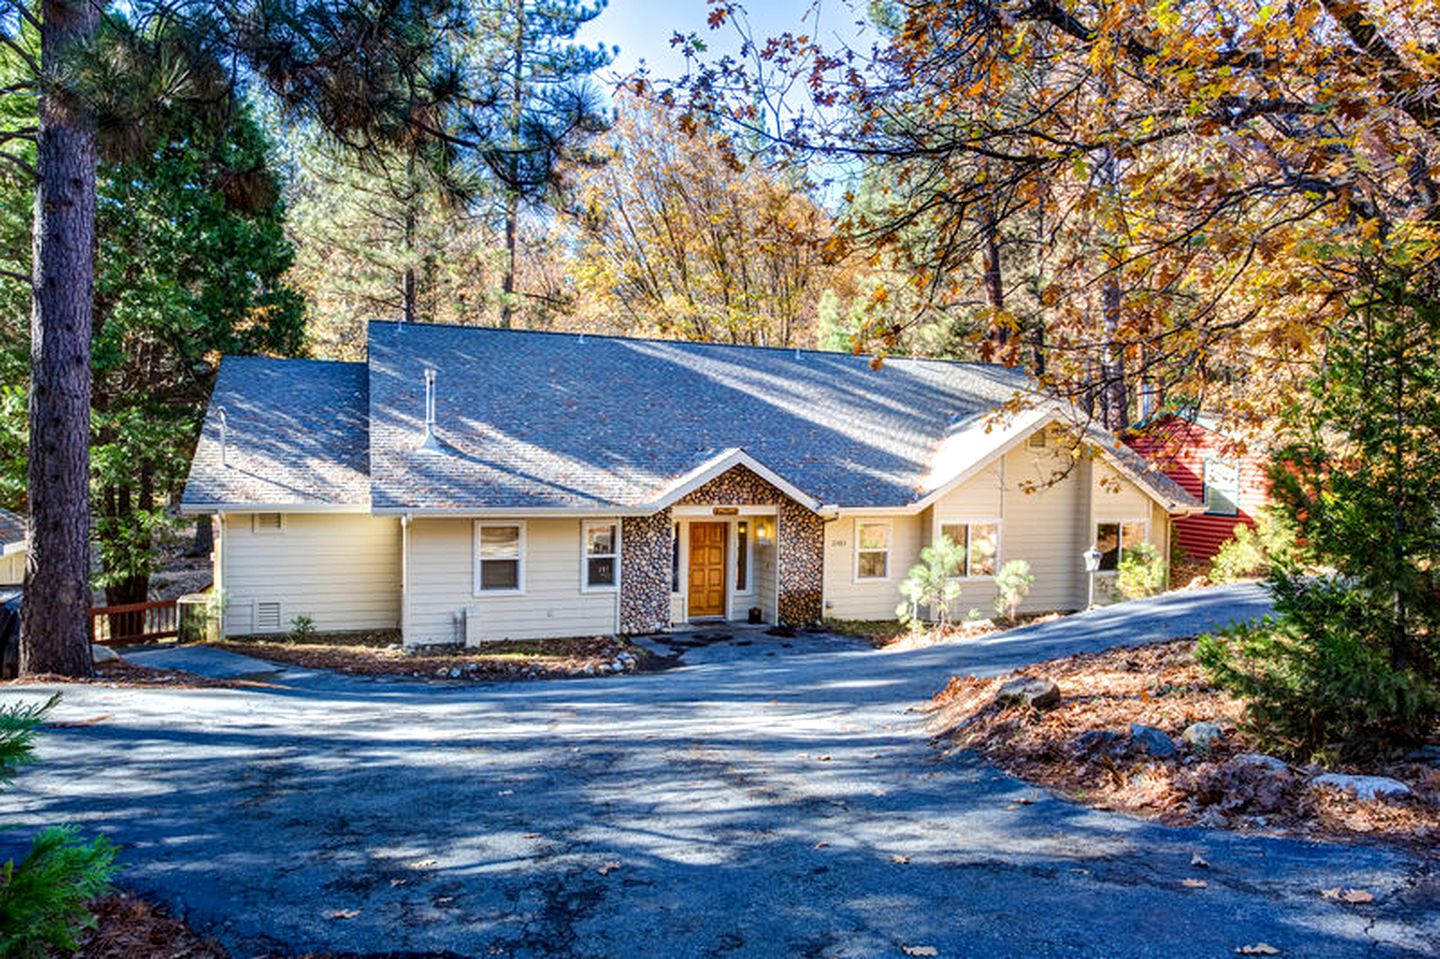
point(585, 526)
point(1206, 486)
point(520, 547)
point(888, 551)
point(1144, 525)
point(967, 523)
point(259, 530)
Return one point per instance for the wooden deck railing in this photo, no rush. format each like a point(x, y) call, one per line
point(135, 622)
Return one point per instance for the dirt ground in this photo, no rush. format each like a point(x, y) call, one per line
point(1081, 749)
point(380, 654)
point(893, 635)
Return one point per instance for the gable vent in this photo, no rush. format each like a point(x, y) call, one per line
point(1037, 440)
point(268, 522)
point(267, 616)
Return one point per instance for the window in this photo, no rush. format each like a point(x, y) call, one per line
point(675, 561)
point(601, 544)
point(1222, 488)
point(499, 558)
point(982, 546)
point(872, 550)
point(1111, 539)
point(742, 555)
point(268, 522)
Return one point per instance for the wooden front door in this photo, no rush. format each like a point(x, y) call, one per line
point(707, 569)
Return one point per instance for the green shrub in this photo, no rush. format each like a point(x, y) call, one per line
point(44, 897)
point(1317, 681)
point(931, 585)
point(1140, 572)
point(1012, 585)
point(1253, 552)
point(301, 627)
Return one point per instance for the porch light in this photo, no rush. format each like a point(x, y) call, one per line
point(762, 532)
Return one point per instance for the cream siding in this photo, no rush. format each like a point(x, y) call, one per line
point(849, 598)
point(766, 583)
point(1047, 507)
point(12, 569)
point(442, 586)
point(341, 570)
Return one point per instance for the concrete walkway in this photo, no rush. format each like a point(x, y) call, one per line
point(765, 800)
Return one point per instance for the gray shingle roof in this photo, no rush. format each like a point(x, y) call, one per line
point(538, 420)
point(557, 420)
point(12, 528)
point(297, 433)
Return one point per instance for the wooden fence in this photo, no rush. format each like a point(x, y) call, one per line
point(135, 622)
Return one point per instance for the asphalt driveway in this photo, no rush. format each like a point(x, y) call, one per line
point(765, 800)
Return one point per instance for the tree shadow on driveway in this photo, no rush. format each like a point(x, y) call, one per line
point(784, 807)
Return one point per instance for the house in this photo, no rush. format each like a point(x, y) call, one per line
point(1227, 476)
point(14, 544)
point(472, 484)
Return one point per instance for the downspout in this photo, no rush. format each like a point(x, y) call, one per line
point(404, 578)
point(221, 538)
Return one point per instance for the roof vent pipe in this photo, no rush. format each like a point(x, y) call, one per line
point(224, 438)
point(428, 443)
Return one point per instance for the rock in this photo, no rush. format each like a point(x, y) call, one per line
point(1029, 691)
point(1259, 761)
point(104, 654)
point(442, 672)
point(589, 670)
point(1094, 740)
point(1212, 819)
point(1202, 736)
point(1428, 755)
point(1362, 787)
point(1152, 741)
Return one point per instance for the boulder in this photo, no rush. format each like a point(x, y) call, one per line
point(1094, 740)
point(1152, 741)
point(1202, 736)
point(1361, 787)
point(104, 654)
point(1029, 691)
point(1259, 762)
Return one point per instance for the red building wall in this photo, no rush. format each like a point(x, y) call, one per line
point(1180, 448)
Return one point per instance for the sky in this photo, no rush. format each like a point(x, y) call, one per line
point(643, 28)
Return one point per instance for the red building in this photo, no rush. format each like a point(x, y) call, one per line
point(1207, 463)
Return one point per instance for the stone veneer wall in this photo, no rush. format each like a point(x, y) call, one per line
point(646, 543)
point(800, 539)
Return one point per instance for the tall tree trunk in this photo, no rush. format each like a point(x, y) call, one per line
point(994, 279)
point(54, 627)
point(408, 293)
point(512, 192)
point(1114, 403)
point(512, 214)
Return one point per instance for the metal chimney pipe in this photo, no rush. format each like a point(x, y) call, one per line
point(428, 442)
point(224, 439)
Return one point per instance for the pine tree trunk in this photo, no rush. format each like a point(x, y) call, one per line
point(512, 214)
point(54, 627)
point(512, 193)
